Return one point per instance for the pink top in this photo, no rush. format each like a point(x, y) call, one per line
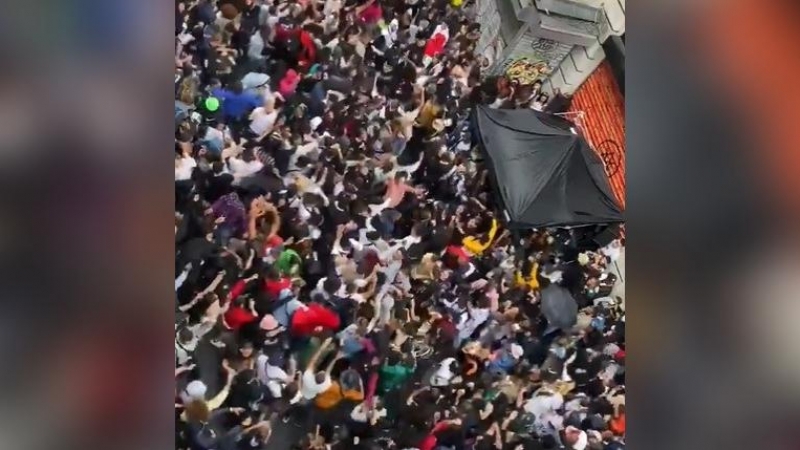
point(395, 191)
point(289, 83)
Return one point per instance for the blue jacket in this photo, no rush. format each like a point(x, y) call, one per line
point(237, 106)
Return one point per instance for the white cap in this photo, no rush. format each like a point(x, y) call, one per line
point(315, 122)
point(196, 390)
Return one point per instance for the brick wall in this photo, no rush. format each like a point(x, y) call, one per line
point(603, 123)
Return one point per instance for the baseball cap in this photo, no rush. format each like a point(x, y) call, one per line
point(196, 390)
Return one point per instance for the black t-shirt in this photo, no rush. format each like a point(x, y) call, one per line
point(339, 212)
point(338, 84)
point(218, 185)
point(251, 441)
point(196, 250)
point(416, 53)
point(452, 436)
point(249, 19)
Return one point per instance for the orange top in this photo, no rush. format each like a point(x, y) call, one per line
point(330, 398)
point(617, 424)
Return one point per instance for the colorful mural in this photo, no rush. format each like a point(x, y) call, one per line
point(524, 71)
point(533, 58)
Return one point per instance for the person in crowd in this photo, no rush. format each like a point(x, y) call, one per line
point(344, 278)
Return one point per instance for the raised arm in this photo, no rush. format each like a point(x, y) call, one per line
point(211, 287)
point(312, 363)
point(329, 369)
point(220, 398)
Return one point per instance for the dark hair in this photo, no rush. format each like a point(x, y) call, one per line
point(185, 335)
point(393, 359)
point(248, 155)
point(331, 284)
point(272, 273)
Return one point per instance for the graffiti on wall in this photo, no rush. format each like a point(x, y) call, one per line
point(534, 58)
point(524, 70)
point(549, 51)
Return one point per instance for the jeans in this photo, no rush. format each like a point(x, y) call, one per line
point(222, 234)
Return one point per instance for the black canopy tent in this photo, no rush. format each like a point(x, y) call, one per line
point(544, 173)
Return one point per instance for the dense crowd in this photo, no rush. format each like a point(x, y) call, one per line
point(342, 277)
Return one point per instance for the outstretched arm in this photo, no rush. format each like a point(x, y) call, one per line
point(312, 363)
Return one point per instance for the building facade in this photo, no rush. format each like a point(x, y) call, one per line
point(558, 41)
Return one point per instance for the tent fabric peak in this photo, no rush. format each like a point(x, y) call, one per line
point(543, 173)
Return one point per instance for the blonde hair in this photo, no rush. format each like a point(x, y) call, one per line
point(187, 90)
point(197, 411)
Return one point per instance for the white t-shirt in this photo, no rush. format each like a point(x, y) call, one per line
point(472, 322)
point(612, 250)
point(263, 121)
point(359, 413)
point(272, 376)
point(310, 388)
point(443, 374)
point(240, 168)
point(183, 352)
point(184, 167)
point(386, 307)
point(541, 405)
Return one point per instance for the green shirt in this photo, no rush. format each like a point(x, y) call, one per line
point(392, 377)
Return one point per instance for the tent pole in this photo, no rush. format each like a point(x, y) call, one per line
point(519, 250)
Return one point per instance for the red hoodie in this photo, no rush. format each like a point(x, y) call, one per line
point(236, 317)
point(308, 51)
point(274, 287)
point(306, 320)
point(459, 252)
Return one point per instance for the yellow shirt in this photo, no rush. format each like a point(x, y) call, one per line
point(476, 247)
point(531, 282)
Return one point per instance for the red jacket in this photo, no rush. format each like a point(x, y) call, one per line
point(308, 51)
point(274, 287)
point(238, 289)
point(283, 33)
point(236, 317)
point(429, 443)
point(306, 320)
point(459, 252)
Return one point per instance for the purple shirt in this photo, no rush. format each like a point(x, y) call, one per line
point(232, 208)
